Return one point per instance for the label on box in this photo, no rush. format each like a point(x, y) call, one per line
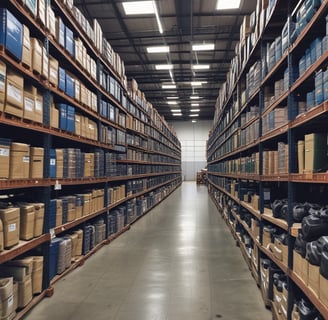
point(10, 301)
point(14, 93)
point(28, 104)
point(4, 152)
point(38, 105)
point(26, 159)
point(52, 162)
point(266, 195)
point(12, 227)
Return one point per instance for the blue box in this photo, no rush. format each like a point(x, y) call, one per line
point(69, 41)
point(314, 57)
point(308, 58)
point(53, 256)
point(271, 120)
point(52, 165)
point(11, 33)
point(70, 119)
point(278, 45)
point(302, 65)
point(61, 79)
point(112, 86)
point(310, 100)
point(319, 94)
point(63, 116)
point(318, 48)
point(70, 87)
point(325, 85)
point(61, 32)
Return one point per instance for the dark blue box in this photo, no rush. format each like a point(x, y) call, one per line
point(325, 85)
point(310, 100)
point(52, 164)
point(70, 88)
point(278, 45)
point(53, 213)
point(69, 41)
point(61, 79)
point(313, 48)
point(62, 29)
point(308, 58)
point(53, 257)
point(319, 95)
point(70, 119)
point(112, 86)
point(302, 65)
point(11, 33)
point(63, 116)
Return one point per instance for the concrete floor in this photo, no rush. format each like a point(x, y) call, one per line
point(178, 262)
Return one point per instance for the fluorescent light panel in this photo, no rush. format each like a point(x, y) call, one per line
point(176, 110)
point(177, 114)
point(201, 66)
point(164, 66)
point(138, 7)
point(159, 24)
point(172, 98)
point(194, 115)
point(196, 83)
point(203, 46)
point(195, 104)
point(194, 97)
point(169, 86)
point(227, 4)
point(172, 102)
point(194, 110)
point(159, 49)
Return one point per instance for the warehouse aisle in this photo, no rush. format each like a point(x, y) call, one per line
point(178, 262)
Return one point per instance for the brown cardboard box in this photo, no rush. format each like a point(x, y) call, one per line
point(37, 274)
point(36, 46)
point(36, 162)
point(266, 238)
point(77, 124)
point(6, 297)
point(29, 105)
point(4, 159)
point(314, 279)
point(24, 291)
point(19, 161)
point(3, 75)
point(15, 289)
point(59, 213)
point(89, 165)
point(14, 93)
point(255, 201)
point(10, 219)
point(27, 217)
point(42, 11)
point(59, 163)
point(297, 262)
point(39, 218)
point(78, 212)
point(45, 63)
point(54, 116)
point(74, 239)
point(315, 147)
point(77, 93)
point(301, 154)
point(27, 52)
point(79, 243)
point(51, 21)
point(284, 254)
point(38, 106)
point(53, 71)
point(87, 203)
point(323, 292)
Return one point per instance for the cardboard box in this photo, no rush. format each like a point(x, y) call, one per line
point(36, 162)
point(36, 46)
point(3, 75)
point(45, 63)
point(15, 295)
point(38, 106)
point(59, 213)
point(266, 238)
point(37, 274)
point(78, 124)
point(24, 291)
point(323, 292)
point(315, 152)
point(6, 297)
point(60, 163)
point(77, 86)
point(27, 217)
point(29, 104)
point(19, 161)
point(27, 51)
point(301, 267)
point(60, 31)
point(78, 251)
point(301, 155)
point(39, 218)
point(42, 11)
point(314, 279)
point(54, 116)
point(1, 236)
point(51, 21)
point(10, 220)
point(14, 93)
point(53, 71)
point(4, 158)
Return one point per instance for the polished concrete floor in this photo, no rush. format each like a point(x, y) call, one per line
point(178, 262)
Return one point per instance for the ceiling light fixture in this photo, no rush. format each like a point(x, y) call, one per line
point(196, 83)
point(195, 104)
point(201, 66)
point(203, 46)
point(194, 110)
point(176, 110)
point(172, 98)
point(172, 102)
point(138, 7)
point(177, 114)
point(159, 49)
point(193, 121)
point(194, 97)
point(159, 24)
point(194, 115)
point(171, 75)
point(169, 86)
point(227, 4)
point(164, 66)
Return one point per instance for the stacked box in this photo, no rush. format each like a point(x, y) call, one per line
point(319, 94)
point(310, 100)
point(59, 212)
point(61, 79)
point(78, 206)
point(37, 274)
point(10, 218)
point(11, 33)
point(325, 86)
point(36, 162)
point(4, 158)
point(69, 85)
point(26, 50)
point(69, 41)
point(53, 71)
point(315, 152)
point(70, 119)
point(27, 219)
point(39, 218)
point(52, 213)
point(6, 298)
point(59, 163)
point(19, 161)
point(14, 93)
point(36, 46)
point(52, 165)
point(60, 31)
point(53, 256)
point(64, 209)
point(3, 80)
